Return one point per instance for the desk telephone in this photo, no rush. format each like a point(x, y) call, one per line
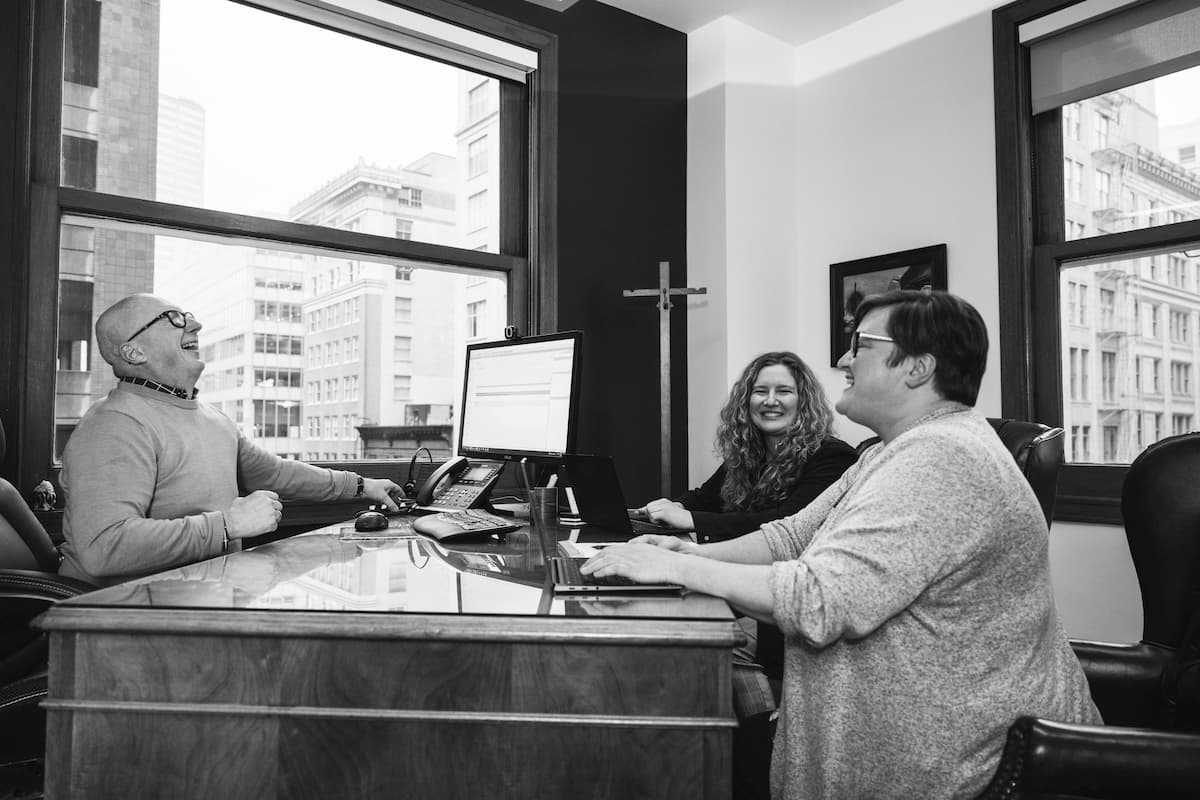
point(458, 484)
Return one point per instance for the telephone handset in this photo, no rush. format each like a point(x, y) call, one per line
point(458, 484)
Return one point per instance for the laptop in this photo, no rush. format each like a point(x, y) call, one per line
point(592, 480)
point(567, 579)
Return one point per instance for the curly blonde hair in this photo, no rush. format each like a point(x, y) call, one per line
point(757, 476)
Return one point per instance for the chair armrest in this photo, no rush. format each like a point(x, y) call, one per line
point(1126, 681)
point(1045, 759)
point(31, 584)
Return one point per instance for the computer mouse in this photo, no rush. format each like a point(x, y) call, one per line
point(370, 521)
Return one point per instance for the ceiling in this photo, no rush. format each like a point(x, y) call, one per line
point(791, 21)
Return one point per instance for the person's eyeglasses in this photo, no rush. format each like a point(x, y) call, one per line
point(874, 337)
point(174, 316)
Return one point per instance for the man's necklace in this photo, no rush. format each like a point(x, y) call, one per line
point(161, 387)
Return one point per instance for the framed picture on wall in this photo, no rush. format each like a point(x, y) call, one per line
point(851, 281)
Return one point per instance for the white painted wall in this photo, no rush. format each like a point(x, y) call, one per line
point(892, 151)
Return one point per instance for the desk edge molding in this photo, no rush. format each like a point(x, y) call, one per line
point(313, 712)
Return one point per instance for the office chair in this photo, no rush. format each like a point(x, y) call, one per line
point(28, 586)
point(1038, 451)
point(1149, 692)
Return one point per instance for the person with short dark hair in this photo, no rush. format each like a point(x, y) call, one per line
point(151, 474)
point(914, 593)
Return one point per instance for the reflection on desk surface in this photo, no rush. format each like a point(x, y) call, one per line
point(319, 571)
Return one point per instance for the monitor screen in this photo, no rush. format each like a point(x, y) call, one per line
point(521, 397)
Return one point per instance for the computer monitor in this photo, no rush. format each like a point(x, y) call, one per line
point(521, 397)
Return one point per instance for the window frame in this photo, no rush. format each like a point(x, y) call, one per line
point(526, 159)
point(1031, 252)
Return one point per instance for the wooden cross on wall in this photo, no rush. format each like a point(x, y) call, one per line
point(664, 292)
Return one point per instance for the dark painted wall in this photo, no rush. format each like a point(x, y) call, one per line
point(621, 193)
point(622, 201)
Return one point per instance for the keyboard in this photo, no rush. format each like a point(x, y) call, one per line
point(641, 526)
point(565, 571)
point(468, 522)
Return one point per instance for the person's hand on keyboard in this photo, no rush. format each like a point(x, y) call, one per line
point(669, 513)
point(665, 541)
point(643, 563)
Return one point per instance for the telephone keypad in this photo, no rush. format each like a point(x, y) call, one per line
point(458, 496)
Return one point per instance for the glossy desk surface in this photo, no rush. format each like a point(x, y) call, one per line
point(330, 570)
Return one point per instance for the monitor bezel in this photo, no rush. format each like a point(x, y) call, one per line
point(510, 454)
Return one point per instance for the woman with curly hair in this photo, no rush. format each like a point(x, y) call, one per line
point(778, 453)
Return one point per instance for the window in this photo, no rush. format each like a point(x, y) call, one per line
point(402, 352)
point(1103, 126)
point(1138, 244)
point(477, 157)
point(1073, 174)
point(276, 419)
point(273, 257)
point(1181, 423)
point(1179, 326)
point(1080, 438)
point(1108, 308)
point(475, 318)
point(477, 102)
point(477, 211)
point(1071, 125)
point(1177, 271)
point(1187, 154)
point(403, 310)
point(1108, 377)
point(401, 388)
point(1181, 377)
point(1078, 379)
point(1112, 436)
point(1103, 188)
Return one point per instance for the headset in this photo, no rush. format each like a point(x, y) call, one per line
point(410, 485)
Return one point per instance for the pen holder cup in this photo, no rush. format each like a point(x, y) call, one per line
point(543, 519)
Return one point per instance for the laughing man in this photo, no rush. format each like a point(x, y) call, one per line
point(152, 475)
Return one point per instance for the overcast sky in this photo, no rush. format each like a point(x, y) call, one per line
point(293, 106)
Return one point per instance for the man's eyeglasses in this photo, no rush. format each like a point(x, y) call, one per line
point(174, 316)
point(874, 337)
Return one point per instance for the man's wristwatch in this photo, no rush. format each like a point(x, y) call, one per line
point(361, 487)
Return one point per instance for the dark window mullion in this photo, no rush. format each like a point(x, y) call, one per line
point(34, 434)
point(224, 224)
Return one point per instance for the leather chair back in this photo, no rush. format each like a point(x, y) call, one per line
point(1160, 505)
point(24, 543)
point(1038, 451)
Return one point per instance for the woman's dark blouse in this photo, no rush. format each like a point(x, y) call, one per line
point(712, 524)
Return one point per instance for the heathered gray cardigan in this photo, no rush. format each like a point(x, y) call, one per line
point(916, 600)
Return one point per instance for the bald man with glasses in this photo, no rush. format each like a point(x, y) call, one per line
point(152, 475)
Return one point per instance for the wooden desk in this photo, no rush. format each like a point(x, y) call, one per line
point(323, 668)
